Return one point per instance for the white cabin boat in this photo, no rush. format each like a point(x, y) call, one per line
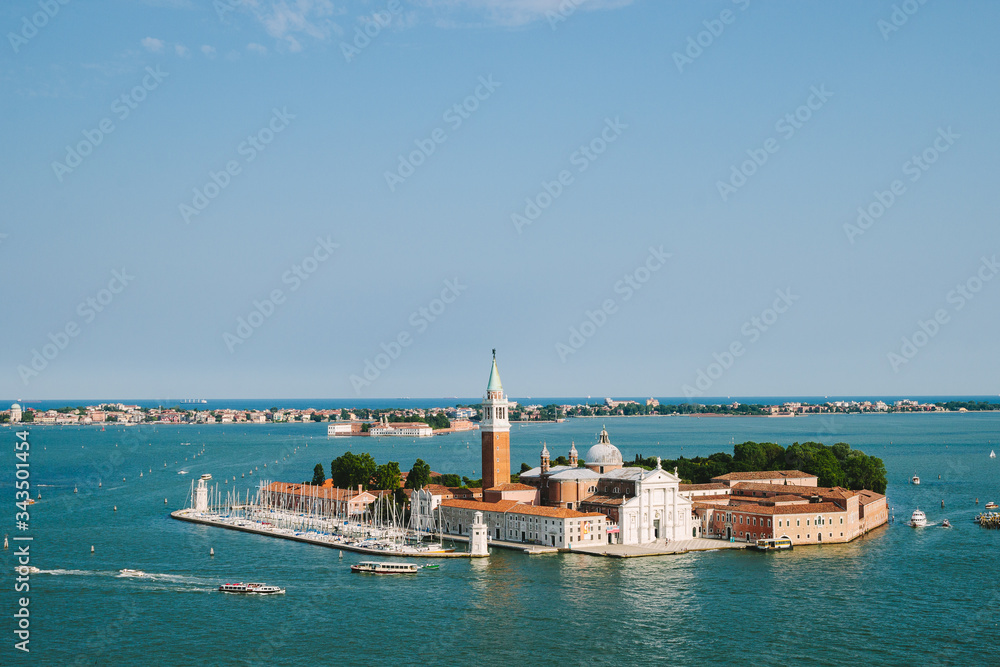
point(131, 573)
point(774, 544)
point(918, 519)
point(914, 479)
point(251, 589)
point(376, 567)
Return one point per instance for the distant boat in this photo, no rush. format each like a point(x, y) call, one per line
point(993, 454)
point(992, 505)
point(251, 589)
point(946, 524)
point(131, 573)
point(918, 519)
point(375, 567)
point(914, 479)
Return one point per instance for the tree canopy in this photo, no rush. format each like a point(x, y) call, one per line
point(836, 465)
point(419, 476)
point(350, 470)
point(387, 475)
point(319, 477)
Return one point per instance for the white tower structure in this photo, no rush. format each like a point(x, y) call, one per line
point(201, 494)
point(15, 413)
point(477, 541)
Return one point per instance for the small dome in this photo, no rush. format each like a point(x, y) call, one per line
point(603, 453)
point(15, 407)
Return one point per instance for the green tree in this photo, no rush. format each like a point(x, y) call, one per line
point(345, 415)
point(450, 479)
point(319, 477)
point(525, 467)
point(387, 476)
point(28, 416)
point(419, 476)
point(749, 456)
point(350, 470)
point(438, 421)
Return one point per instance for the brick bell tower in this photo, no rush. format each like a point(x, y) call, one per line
point(495, 432)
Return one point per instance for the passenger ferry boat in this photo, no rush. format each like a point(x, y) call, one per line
point(991, 505)
point(918, 519)
point(774, 544)
point(376, 567)
point(251, 589)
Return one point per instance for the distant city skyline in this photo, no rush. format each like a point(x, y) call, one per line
point(361, 199)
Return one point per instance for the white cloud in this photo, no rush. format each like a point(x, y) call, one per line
point(287, 20)
point(513, 12)
point(208, 50)
point(152, 44)
point(257, 48)
point(182, 50)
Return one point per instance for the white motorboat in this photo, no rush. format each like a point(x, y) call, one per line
point(914, 479)
point(251, 589)
point(26, 569)
point(131, 573)
point(918, 519)
point(376, 567)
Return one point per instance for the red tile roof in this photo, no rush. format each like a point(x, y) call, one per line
point(793, 489)
point(517, 508)
point(511, 486)
point(702, 487)
point(764, 474)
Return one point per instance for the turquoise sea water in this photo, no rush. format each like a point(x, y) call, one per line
point(898, 596)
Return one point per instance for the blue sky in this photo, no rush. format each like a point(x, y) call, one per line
point(579, 184)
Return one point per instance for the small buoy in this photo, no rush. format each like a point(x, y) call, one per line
point(76, 490)
point(341, 555)
point(4, 541)
point(244, 477)
point(211, 551)
point(164, 501)
point(942, 503)
point(91, 548)
point(116, 508)
point(140, 473)
point(123, 479)
point(99, 484)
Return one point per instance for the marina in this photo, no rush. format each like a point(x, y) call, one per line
point(278, 514)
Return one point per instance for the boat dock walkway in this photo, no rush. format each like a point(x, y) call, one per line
point(659, 548)
point(331, 543)
point(531, 549)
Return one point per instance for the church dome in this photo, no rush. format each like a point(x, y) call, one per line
point(15, 407)
point(603, 453)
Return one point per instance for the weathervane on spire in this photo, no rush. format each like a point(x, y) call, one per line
point(494, 354)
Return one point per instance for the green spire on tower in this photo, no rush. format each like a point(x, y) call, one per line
point(494, 384)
